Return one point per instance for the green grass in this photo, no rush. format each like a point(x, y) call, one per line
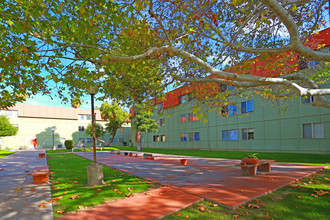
point(5, 153)
point(298, 201)
point(68, 177)
point(319, 159)
point(91, 149)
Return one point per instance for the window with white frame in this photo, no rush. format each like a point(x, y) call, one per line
point(162, 138)
point(81, 128)
point(82, 140)
point(247, 134)
point(184, 137)
point(247, 106)
point(156, 138)
point(229, 135)
point(307, 100)
point(81, 117)
point(313, 130)
point(89, 140)
point(192, 117)
point(186, 98)
point(10, 113)
point(183, 118)
point(229, 110)
point(162, 122)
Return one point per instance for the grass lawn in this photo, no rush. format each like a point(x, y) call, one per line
point(91, 149)
point(316, 159)
point(308, 199)
point(68, 177)
point(4, 153)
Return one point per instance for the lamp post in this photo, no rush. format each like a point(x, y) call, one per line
point(92, 91)
point(53, 129)
point(95, 170)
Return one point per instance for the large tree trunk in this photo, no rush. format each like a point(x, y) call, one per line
point(138, 140)
point(113, 136)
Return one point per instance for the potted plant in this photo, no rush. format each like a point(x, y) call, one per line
point(250, 159)
point(130, 154)
point(183, 161)
point(126, 153)
point(118, 153)
point(112, 152)
point(148, 156)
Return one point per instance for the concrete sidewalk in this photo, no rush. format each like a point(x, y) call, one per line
point(19, 198)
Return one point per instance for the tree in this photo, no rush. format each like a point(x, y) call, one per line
point(99, 131)
point(115, 116)
point(146, 45)
point(143, 123)
point(6, 129)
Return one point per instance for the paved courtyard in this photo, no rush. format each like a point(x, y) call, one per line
point(218, 180)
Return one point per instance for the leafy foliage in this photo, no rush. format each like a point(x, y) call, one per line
point(132, 50)
point(69, 144)
point(6, 129)
point(99, 130)
point(115, 116)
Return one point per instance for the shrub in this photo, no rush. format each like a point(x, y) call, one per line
point(69, 144)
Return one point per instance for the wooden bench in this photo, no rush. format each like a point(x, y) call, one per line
point(251, 169)
point(40, 174)
point(42, 155)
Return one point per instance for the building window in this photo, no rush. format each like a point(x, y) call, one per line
point(191, 136)
point(313, 130)
point(121, 130)
point(183, 118)
point(156, 138)
point(192, 117)
point(10, 113)
point(184, 137)
point(88, 117)
point(81, 117)
point(186, 98)
point(85, 117)
point(229, 135)
point(229, 110)
point(82, 140)
point(162, 122)
point(307, 100)
point(162, 138)
point(247, 106)
point(81, 128)
point(115, 140)
point(121, 140)
point(247, 134)
point(89, 140)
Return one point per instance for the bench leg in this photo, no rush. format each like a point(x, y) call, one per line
point(265, 167)
point(249, 171)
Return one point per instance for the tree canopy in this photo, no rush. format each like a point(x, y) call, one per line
point(115, 116)
point(99, 130)
point(132, 49)
point(6, 129)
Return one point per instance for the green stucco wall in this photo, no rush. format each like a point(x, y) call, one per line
point(274, 130)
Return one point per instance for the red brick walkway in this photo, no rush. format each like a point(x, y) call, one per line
point(218, 180)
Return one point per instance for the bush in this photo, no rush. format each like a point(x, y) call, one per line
point(69, 144)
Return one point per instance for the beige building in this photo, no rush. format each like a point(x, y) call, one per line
point(53, 125)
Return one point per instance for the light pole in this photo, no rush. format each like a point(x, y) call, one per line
point(53, 129)
point(95, 170)
point(92, 91)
